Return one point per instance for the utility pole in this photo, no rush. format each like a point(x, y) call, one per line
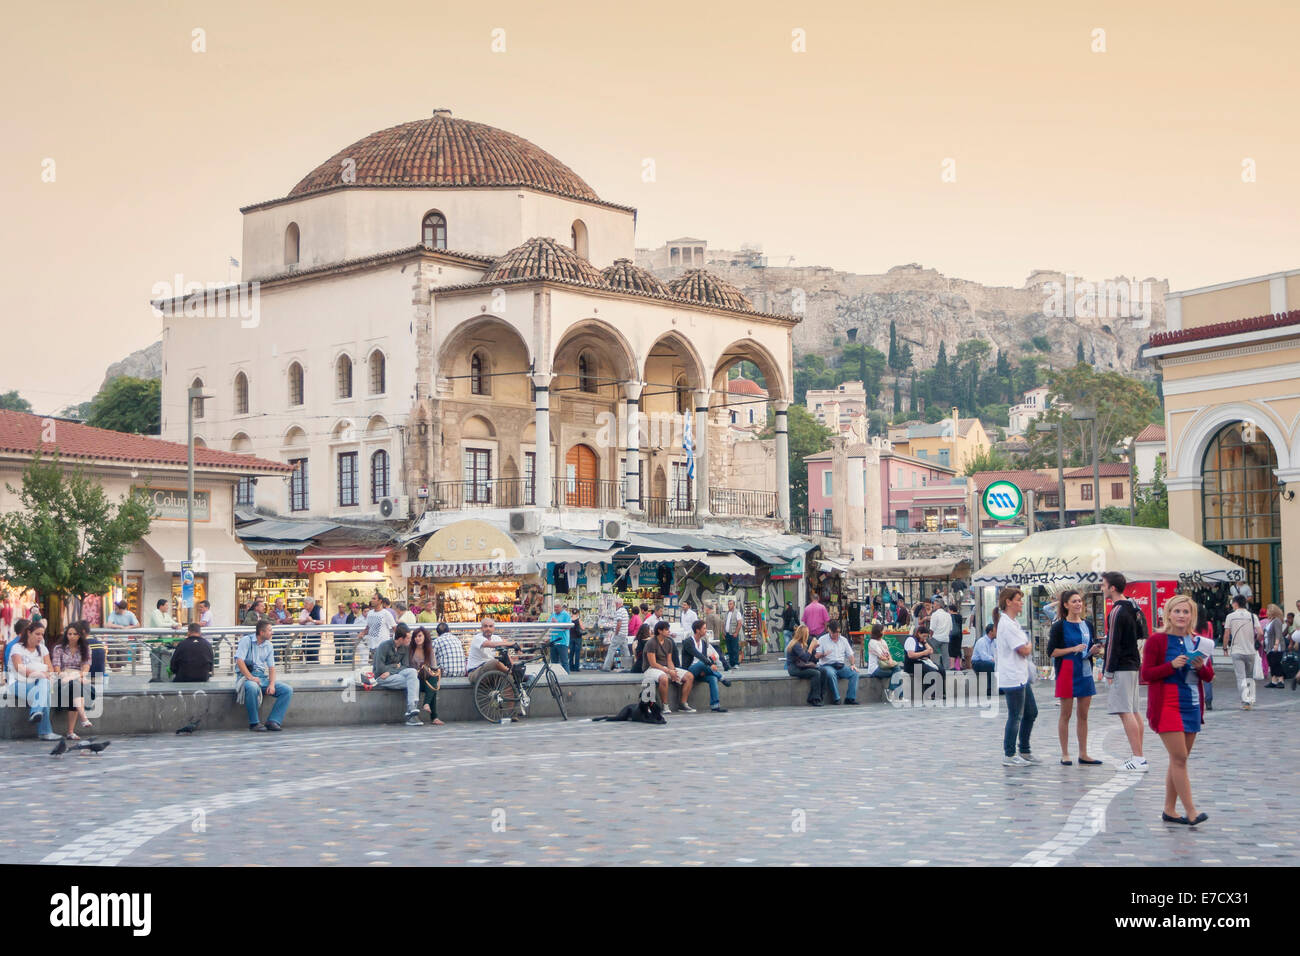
point(1060, 467)
point(195, 394)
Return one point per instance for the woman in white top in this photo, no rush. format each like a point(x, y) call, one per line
point(29, 662)
point(1015, 668)
point(882, 666)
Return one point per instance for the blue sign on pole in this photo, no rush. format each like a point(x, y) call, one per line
point(187, 584)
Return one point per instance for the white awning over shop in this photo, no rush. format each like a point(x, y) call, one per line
point(580, 555)
point(215, 550)
point(921, 568)
point(728, 564)
point(670, 556)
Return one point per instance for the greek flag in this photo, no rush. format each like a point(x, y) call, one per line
point(234, 262)
point(688, 443)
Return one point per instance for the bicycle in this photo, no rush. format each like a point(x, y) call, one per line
point(502, 695)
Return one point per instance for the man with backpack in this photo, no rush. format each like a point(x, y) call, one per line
point(1125, 628)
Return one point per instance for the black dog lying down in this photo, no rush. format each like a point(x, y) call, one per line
point(641, 712)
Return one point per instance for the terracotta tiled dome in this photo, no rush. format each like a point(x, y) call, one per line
point(625, 277)
point(443, 151)
point(701, 286)
point(541, 258)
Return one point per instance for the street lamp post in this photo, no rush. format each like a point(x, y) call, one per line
point(1044, 427)
point(1126, 450)
point(195, 394)
point(1090, 415)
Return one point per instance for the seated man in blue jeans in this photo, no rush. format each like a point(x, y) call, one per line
point(255, 662)
point(393, 671)
point(983, 660)
point(835, 657)
point(703, 661)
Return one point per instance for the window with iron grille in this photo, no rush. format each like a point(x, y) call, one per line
point(298, 485)
point(378, 372)
point(681, 487)
point(478, 380)
point(349, 482)
point(1086, 492)
point(244, 490)
point(343, 377)
point(378, 476)
point(530, 478)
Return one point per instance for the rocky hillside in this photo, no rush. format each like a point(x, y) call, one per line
point(928, 307)
point(145, 363)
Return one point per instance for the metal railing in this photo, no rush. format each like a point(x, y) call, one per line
point(813, 524)
point(298, 648)
point(669, 513)
point(587, 493)
point(491, 493)
point(742, 503)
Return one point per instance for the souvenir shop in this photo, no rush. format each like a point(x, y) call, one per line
point(277, 577)
point(348, 573)
point(470, 570)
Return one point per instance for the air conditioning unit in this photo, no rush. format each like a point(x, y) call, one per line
point(525, 522)
point(395, 509)
point(611, 530)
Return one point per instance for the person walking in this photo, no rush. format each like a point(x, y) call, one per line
point(1015, 678)
point(733, 625)
point(789, 621)
point(941, 628)
point(1275, 646)
point(1239, 635)
point(1175, 671)
point(1123, 660)
point(1072, 649)
point(816, 617)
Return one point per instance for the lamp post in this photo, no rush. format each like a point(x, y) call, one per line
point(1044, 428)
point(1090, 415)
point(1126, 449)
point(195, 394)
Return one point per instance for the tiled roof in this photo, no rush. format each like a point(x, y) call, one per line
point(1107, 469)
point(1259, 323)
point(443, 151)
point(699, 285)
point(543, 258)
point(623, 275)
point(1152, 433)
point(23, 434)
point(744, 386)
point(1023, 478)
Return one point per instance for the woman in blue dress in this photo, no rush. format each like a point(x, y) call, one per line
point(1072, 648)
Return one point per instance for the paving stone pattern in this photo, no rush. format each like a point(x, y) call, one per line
point(835, 785)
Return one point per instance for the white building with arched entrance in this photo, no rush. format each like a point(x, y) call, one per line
point(448, 317)
point(1231, 377)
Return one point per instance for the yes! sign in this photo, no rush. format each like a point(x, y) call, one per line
point(1003, 500)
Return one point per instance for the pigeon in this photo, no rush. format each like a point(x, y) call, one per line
point(192, 726)
point(94, 746)
point(60, 748)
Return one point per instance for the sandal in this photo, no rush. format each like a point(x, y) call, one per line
point(73, 737)
point(435, 722)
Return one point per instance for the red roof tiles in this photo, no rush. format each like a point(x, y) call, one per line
point(626, 277)
point(443, 151)
point(1152, 433)
point(745, 386)
point(699, 285)
point(1259, 323)
point(543, 258)
point(24, 434)
point(1108, 469)
point(1023, 478)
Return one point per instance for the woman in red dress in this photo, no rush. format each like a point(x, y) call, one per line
point(1175, 670)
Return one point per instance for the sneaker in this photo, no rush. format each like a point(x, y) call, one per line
point(414, 721)
point(1016, 761)
point(718, 710)
point(1029, 758)
point(272, 726)
point(257, 726)
point(851, 701)
point(726, 682)
point(685, 708)
point(665, 710)
point(34, 717)
point(836, 703)
point(1135, 764)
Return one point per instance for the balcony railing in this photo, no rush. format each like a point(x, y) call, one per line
point(814, 524)
point(587, 493)
point(739, 503)
point(491, 493)
point(669, 512)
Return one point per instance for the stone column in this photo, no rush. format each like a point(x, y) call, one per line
point(632, 448)
point(701, 431)
point(874, 537)
point(542, 473)
point(855, 491)
point(783, 463)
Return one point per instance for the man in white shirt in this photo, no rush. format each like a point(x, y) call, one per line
point(733, 624)
point(406, 615)
point(379, 623)
point(835, 658)
point(1239, 636)
point(620, 643)
point(482, 651)
point(940, 626)
point(689, 617)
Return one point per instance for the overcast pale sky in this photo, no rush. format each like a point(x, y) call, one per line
point(1127, 161)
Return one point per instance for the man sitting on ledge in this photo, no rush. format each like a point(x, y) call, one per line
point(255, 663)
point(835, 657)
point(660, 668)
point(704, 663)
point(393, 671)
point(192, 659)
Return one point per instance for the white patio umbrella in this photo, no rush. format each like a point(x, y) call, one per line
point(1077, 557)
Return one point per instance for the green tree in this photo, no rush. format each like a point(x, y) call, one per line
point(1152, 504)
point(11, 401)
point(128, 405)
point(988, 460)
point(1078, 354)
point(66, 537)
point(898, 400)
point(806, 437)
point(1124, 406)
point(1023, 378)
point(1042, 343)
point(893, 347)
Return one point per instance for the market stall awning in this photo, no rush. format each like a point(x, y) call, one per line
point(214, 549)
point(256, 547)
point(347, 558)
point(728, 564)
point(1076, 557)
point(670, 555)
point(566, 555)
point(919, 568)
point(827, 564)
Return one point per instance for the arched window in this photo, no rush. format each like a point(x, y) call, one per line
point(291, 245)
point(378, 476)
point(343, 377)
point(578, 237)
point(378, 373)
point(295, 384)
point(479, 380)
point(586, 373)
point(241, 394)
point(434, 231)
point(198, 402)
